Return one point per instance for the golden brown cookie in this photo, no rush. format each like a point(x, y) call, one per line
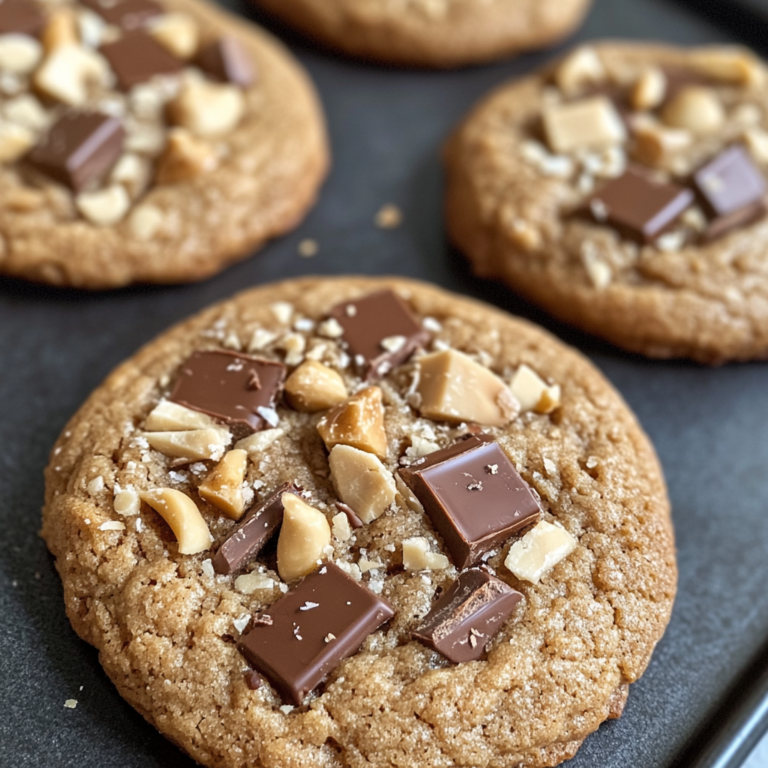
point(624, 190)
point(506, 643)
point(432, 33)
point(147, 141)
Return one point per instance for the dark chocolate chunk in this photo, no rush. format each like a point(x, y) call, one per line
point(314, 627)
point(79, 149)
point(354, 520)
point(137, 57)
point(729, 183)
point(23, 17)
point(639, 207)
point(372, 319)
point(219, 383)
point(227, 59)
point(128, 14)
point(468, 615)
point(253, 680)
point(245, 540)
point(473, 495)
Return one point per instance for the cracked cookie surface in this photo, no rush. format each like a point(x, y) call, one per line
point(166, 625)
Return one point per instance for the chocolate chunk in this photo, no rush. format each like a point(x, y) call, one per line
point(314, 627)
point(729, 183)
point(253, 680)
point(354, 520)
point(722, 225)
point(23, 17)
point(473, 495)
point(79, 149)
point(137, 57)
point(369, 321)
point(639, 207)
point(227, 59)
point(468, 615)
point(128, 14)
point(219, 383)
point(245, 540)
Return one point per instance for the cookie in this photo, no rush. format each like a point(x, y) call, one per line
point(147, 141)
point(623, 189)
point(362, 521)
point(432, 33)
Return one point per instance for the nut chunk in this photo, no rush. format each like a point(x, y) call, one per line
point(455, 388)
point(358, 422)
point(540, 550)
point(314, 387)
point(303, 538)
point(362, 482)
point(532, 391)
point(182, 514)
point(207, 109)
point(223, 488)
point(591, 123)
point(417, 557)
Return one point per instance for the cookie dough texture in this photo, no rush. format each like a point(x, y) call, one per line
point(164, 629)
point(708, 302)
point(432, 33)
point(275, 161)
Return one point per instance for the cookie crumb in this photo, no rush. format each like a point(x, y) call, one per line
point(70, 703)
point(389, 217)
point(308, 248)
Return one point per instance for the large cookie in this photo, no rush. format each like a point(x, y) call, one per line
point(490, 529)
point(432, 33)
point(623, 189)
point(147, 141)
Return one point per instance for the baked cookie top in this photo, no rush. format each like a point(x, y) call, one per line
point(433, 33)
point(624, 189)
point(330, 521)
point(146, 140)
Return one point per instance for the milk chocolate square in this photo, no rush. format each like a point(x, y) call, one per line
point(128, 14)
point(730, 183)
point(467, 616)
point(368, 321)
point(230, 387)
point(79, 149)
point(473, 495)
point(22, 17)
point(304, 636)
point(137, 57)
point(227, 59)
point(639, 207)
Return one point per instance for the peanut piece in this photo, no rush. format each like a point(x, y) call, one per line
point(127, 502)
point(223, 488)
point(650, 89)
point(656, 145)
point(532, 391)
point(417, 557)
point(145, 221)
point(15, 140)
point(581, 68)
point(68, 71)
point(730, 65)
point(249, 583)
point(185, 157)
point(132, 172)
point(304, 535)
point(19, 54)
point(756, 140)
point(314, 387)
point(340, 527)
point(178, 32)
point(454, 388)
point(168, 416)
point(207, 109)
point(359, 422)
point(591, 123)
point(105, 206)
point(697, 109)
point(195, 444)
point(361, 481)
point(259, 441)
point(182, 514)
point(25, 110)
point(60, 30)
point(540, 550)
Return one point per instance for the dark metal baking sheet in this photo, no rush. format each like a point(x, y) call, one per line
point(700, 703)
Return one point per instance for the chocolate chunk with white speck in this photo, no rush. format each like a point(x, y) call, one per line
point(468, 615)
point(347, 612)
point(245, 540)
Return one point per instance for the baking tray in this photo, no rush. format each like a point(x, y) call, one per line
point(701, 704)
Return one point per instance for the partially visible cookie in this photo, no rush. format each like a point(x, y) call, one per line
point(355, 521)
point(147, 141)
point(624, 189)
point(432, 33)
